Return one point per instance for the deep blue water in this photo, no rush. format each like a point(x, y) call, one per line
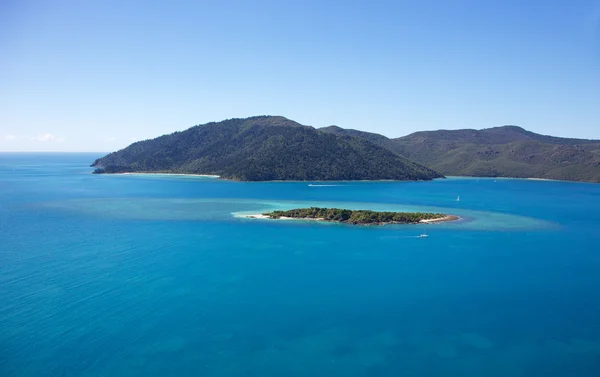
point(156, 276)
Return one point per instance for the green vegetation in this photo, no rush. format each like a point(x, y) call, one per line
point(275, 148)
point(355, 216)
point(264, 148)
point(507, 151)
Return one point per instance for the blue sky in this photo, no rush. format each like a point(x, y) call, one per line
point(97, 75)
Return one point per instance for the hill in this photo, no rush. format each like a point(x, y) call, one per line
point(503, 152)
point(507, 151)
point(264, 148)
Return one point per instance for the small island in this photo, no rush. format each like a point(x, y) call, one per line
point(357, 217)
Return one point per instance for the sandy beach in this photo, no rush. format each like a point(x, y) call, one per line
point(441, 219)
point(169, 174)
point(430, 221)
point(261, 216)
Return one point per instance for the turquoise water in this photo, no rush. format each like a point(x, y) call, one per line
point(156, 276)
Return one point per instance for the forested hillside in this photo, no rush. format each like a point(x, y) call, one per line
point(264, 148)
point(507, 151)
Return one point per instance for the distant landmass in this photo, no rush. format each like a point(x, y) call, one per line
point(507, 151)
point(264, 148)
point(275, 148)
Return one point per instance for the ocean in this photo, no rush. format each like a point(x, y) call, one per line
point(150, 275)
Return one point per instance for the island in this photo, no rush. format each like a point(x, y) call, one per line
point(274, 148)
point(263, 148)
point(357, 217)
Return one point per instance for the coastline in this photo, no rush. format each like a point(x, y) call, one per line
point(520, 178)
point(265, 217)
point(441, 219)
point(275, 180)
point(444, 219)
point(169, 174)
point(310, 181)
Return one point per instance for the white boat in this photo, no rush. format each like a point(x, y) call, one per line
point(424, 235)
point(458, 199)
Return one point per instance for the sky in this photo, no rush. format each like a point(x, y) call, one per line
point(98, 75)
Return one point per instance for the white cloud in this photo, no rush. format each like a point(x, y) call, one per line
point(9, 137)
point(49, 137)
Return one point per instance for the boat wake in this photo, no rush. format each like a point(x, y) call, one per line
point(399, 237)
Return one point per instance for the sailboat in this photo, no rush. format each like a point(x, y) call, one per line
point(423, 235)
point(458, 199)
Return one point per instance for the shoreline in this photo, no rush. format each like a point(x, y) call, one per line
point(265, 217)
point(349, 181)
point(444, 219)
point(440, 220)
point(310, 181)
point(176, 174)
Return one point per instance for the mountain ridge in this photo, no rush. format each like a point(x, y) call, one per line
point(504, 133)
point(505, 151)
point(277, 148)
point(264, 148)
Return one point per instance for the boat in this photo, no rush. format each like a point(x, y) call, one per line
point(458, 199)
point(423, 235)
